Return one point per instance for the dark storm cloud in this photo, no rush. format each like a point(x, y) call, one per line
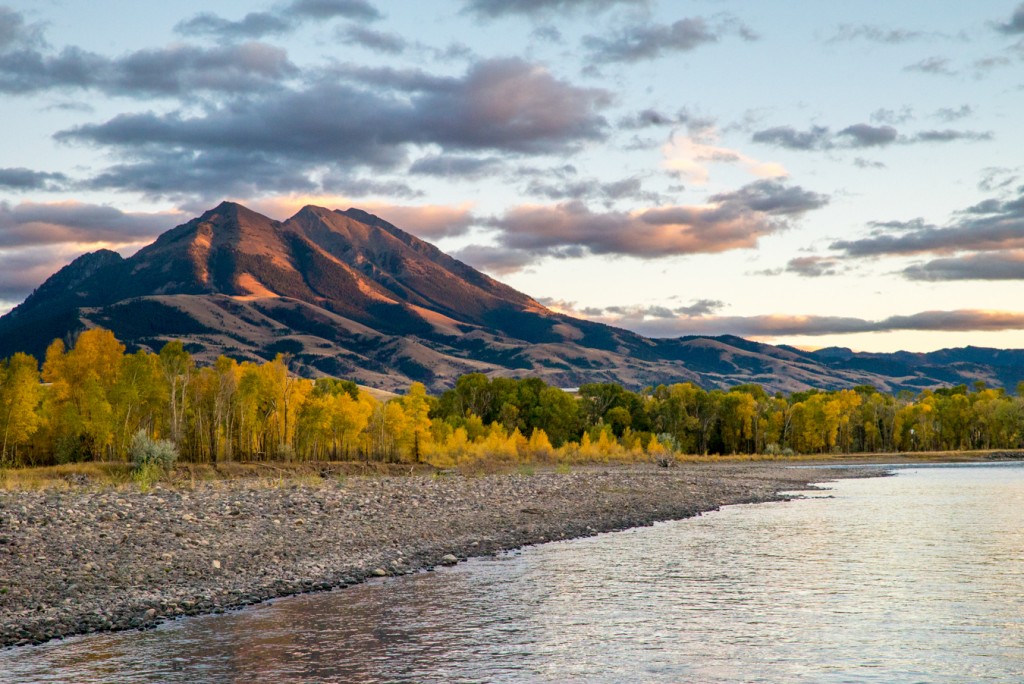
point(32, 224)
point(27, 179)
point(455, 166)
point(980, 266)
point(875, 34)
point(932, 65)
point(502, 104)
point(492, 9)
point(173, 71)
point(734, 220)
point(865, 135)
point(639, 42)
point(252, 25)
point(991, 225)
point(379, 41)
point(1015, 24)
point(815, 138)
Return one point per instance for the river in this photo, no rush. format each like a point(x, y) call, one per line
point(913, 578)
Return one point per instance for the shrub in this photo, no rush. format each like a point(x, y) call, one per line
point(147, 452)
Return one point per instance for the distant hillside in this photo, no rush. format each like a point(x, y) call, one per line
point(348, 294)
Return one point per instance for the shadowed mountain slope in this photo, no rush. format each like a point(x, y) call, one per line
point(347, 293)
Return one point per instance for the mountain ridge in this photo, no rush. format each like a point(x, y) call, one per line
point(347, 293)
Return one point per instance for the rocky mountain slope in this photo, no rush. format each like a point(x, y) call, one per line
point(348, 294)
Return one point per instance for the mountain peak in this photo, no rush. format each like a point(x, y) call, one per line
point(347, 293)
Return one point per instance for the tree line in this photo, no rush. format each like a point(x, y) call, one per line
point(91, 401)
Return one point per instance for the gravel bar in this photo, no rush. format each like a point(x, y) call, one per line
point(90, 559)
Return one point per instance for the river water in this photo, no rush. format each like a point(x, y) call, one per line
point(912, 578)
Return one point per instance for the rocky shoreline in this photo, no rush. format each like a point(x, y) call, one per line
point(92, 559)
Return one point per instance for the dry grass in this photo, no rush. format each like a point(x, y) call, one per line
point(313, 474)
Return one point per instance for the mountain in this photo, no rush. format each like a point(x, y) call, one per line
point(348, 294)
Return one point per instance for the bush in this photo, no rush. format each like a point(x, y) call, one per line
point(147, 452)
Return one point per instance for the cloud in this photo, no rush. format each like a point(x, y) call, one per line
point(892, 116)
point(948, 114)
point(33, 224)
point(21, 179)
point(252, 25)
point(864, 135)
point(769, 326)
point(16, 33)
point(506, 105)
point(1007, 265)
point(1015, 24)
point(429, 221)
point(700, 318)
point(378, 41)
point(289, 18)
point(938, 66)
point(635, 312)
point(495, 259)
point(816, 138)
point(814, 266)
point(492, 9)
point(858, 136)
point(593, 188)
point(948, 135)
point(455, 166)
point(995, 178)
point(690, 155)
point(177, 70)
point(991, 225)
point(356, 186)
point(23, 270)
point(701, 307)
point(862, 163)
point(648, 118)
point(734, 220)
point(875, 34)
point(640, 42)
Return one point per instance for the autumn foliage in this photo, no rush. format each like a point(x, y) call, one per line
point(90, 402)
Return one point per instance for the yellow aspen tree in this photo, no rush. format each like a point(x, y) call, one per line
point(416, 406)
point(539, 445)
point(82, 381)
point(20, 395)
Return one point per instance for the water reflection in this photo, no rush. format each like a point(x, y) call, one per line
point(912, 578)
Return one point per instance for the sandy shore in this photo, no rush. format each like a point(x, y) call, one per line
point(94, 559)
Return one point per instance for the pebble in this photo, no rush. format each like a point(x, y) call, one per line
point(125, 559)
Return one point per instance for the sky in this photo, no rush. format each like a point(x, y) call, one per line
point(820, 174)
